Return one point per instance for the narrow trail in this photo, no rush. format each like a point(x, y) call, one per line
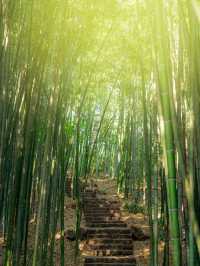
point(109, 240)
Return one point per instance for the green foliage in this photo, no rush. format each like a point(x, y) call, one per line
point(131, 207)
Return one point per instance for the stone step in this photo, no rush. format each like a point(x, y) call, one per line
point(101, 205)
point(102, 219)
point(109, 252)
point(89, 194)
point(113, 236)
point(111, 259)
point(111, 264)
point(107, 224)
point(105, 202)
point(100, 216)
point(101, 212)
point(100, 208)
point(109, 246)
point(104, 235)
point(114, 230)
point(107, 216)
point(104, 213)
point(124, 241)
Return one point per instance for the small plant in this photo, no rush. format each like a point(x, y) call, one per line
point(131, 207)
point(103, 190)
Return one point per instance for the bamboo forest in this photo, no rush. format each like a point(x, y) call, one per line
point(100, 132)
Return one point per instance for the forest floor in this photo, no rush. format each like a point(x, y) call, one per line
point(108, 187)
point(70, 221)
point(69, 245)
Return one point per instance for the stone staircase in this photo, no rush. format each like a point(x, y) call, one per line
point(109, 241)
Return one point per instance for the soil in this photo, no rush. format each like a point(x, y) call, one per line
point(70, 221)
point(109, 189)
point(69, 245)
